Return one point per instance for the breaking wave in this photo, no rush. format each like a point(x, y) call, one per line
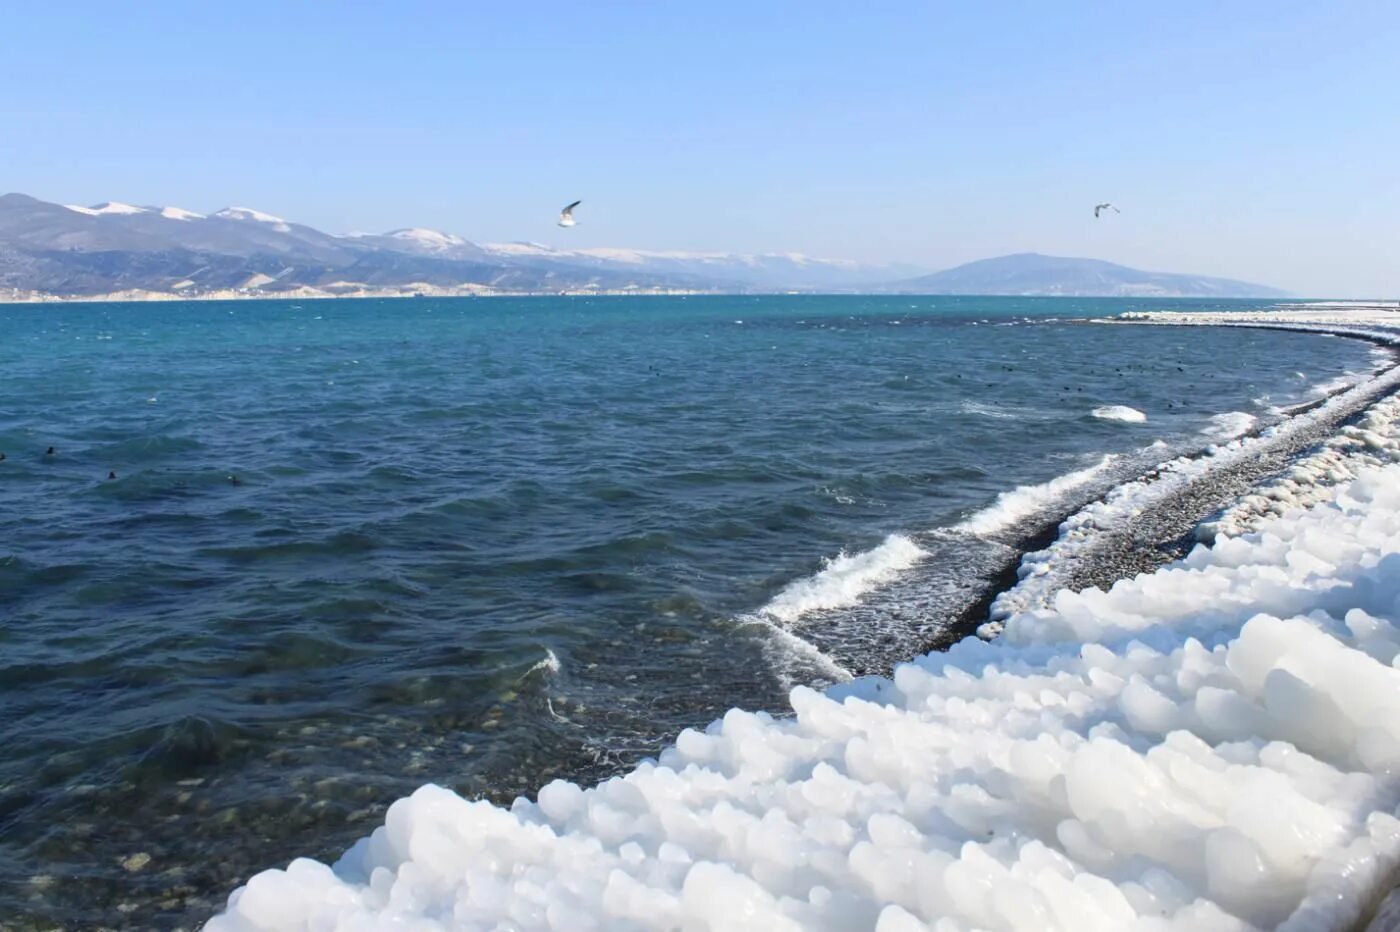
point(1013, 507)
point(844, 579)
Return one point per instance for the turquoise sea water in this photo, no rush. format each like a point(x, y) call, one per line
point(356, 546)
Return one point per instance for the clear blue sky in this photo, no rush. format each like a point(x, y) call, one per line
point(1249, 139)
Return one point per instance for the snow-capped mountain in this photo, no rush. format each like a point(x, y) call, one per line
point(179, 213)
point(48, 247)
point(110, 207)
point(432, 240)
point(74, 250)
point(247, 213)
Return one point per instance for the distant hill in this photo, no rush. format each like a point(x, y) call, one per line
point(74, 251)
point(1030, 273)
point(56, 249)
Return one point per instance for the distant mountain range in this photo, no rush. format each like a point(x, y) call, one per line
point(54, 250)
point(1030, 273)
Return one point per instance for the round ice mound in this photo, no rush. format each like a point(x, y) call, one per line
point(1119, 413)
point(1229, 425)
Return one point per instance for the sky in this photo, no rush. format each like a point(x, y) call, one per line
point(1251, 140)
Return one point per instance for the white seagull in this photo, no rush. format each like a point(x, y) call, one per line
point(1099, 208)
point(566, 216)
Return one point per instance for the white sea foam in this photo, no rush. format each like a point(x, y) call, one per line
point(1005, 412)
point(844, 579)
point(1013, 507)
point(549, 665)
point(1230, 424)
point(795, 659)
point(1119, 413)
point(986, 410)
point(1336, 384)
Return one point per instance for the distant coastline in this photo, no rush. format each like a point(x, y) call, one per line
point(138, 295)
point(470, 290)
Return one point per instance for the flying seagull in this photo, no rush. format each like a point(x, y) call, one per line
point(566, 216)
point(1099, 208)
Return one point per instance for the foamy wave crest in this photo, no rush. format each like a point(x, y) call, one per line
point(796, 660)
point(1005, 412)
point(844, 579)
point(1020, 503)
point(1119, 413)
point(1334, 385)
point(549, 665)
point(1230, 425)
point(986, 410)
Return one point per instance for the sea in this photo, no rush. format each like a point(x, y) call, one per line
point(288, 561)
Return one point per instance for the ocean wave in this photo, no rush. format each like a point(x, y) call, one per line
point(1119, 413)
point(795, 660)
point(549, 665)
point(1005, 412)
point(1013, 507)
point(844, 579)
point(1336, 384)
point(985, 410)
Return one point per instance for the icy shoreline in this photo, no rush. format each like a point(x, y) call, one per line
point(1211, 745)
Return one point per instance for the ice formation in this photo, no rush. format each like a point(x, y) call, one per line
point(1208, 746)
point(1230, 424)
point(1038, 582)
point(1215, 745)
point(1119, 413)
point(1371, 441)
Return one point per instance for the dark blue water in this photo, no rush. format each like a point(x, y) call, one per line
point(356, 546)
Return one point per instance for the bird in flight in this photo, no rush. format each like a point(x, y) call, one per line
point(566, 216)
point(1100, 208)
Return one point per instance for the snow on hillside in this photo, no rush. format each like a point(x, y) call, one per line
point(179, 213)
point(428, 239)
point(111, 207)
point(519, 249)
point(246, 213)
point(1209, 746)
